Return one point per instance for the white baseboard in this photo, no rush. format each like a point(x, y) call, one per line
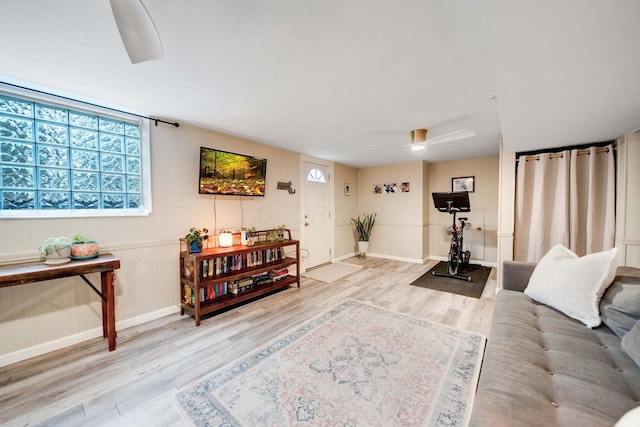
point(374, 255)
point(343, 257)
point(37, 350)
point(411, 260)
point(396, 258)
point(147, 317)
point(40, 349)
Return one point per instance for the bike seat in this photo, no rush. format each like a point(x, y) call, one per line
point(462, 219)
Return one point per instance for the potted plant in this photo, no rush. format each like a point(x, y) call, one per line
point(195, 238)
point(56, 250)
point(276, 234)
point(363, 227)
point(83, 248)
point(247, 234)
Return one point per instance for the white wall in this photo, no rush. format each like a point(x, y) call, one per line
point(400, 228)
point(481, 238)
point(506, 213)
point(426, 208)
point(346, 207)
point(409, 227)
point(40, 317)
point(628, 200)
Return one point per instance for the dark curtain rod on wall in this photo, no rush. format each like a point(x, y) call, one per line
point(153, 119)
point(561, 155)
point(557, 152)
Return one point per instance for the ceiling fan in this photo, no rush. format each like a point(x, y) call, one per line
point(137, 30)
point(419, 139)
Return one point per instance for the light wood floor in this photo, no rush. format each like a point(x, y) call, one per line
point(134, 385)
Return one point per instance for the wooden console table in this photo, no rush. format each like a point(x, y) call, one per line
point(20, 274)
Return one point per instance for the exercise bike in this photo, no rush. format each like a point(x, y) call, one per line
point(453, 203)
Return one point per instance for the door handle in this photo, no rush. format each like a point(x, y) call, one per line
point(306, 224)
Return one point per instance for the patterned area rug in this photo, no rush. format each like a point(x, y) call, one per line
point(354, 365)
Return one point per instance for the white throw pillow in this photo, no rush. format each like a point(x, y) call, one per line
point(630, 419)
point(572, 284)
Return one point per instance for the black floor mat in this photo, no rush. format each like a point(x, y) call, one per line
point(478, 274)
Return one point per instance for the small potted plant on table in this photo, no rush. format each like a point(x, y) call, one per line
point(195, 237)
point(56, 250)
point(276, 234)
point(83, 248)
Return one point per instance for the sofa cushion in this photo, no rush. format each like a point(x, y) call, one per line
point(620, 305)
point(631, 343)
point(572, 284)
point(542, 368)
point(630, 419)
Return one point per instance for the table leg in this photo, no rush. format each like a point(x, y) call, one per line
point(108, 308)
point(105, 315)
point(298, 265)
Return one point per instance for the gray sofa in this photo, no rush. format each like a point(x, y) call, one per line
point(542, 368)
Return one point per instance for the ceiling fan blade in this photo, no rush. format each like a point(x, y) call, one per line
point(137, 30)
point(390, 145)
point(447, 137)
point(451, 136)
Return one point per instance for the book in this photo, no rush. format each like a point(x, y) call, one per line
point(187, 295)
point(188, 270)
point(204, 270)
point(279, 273)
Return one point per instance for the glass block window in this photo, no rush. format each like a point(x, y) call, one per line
point(69, 160)
point(316, 175)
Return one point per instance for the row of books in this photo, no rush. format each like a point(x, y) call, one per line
point(207, 293)
point(221, 265)
point(279, 274)
point(211, 292)
point(246, 283)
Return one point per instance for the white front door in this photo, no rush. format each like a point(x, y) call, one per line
point(316, 210)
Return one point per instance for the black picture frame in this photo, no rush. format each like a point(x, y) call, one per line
point(463, 183)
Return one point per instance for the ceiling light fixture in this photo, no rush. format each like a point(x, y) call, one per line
point(418, 136)
point(137, 30)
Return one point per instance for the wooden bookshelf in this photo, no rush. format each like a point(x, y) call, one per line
point(218, 278)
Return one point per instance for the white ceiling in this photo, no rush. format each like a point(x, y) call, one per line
point(331, 78)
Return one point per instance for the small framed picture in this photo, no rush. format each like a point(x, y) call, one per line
point(347, 189)
point(391, 188)
point(405, 187)
point(377, 189)
point(464, 183)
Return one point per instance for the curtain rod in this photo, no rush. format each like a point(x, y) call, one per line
point(153, 119)
point(561, 155)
